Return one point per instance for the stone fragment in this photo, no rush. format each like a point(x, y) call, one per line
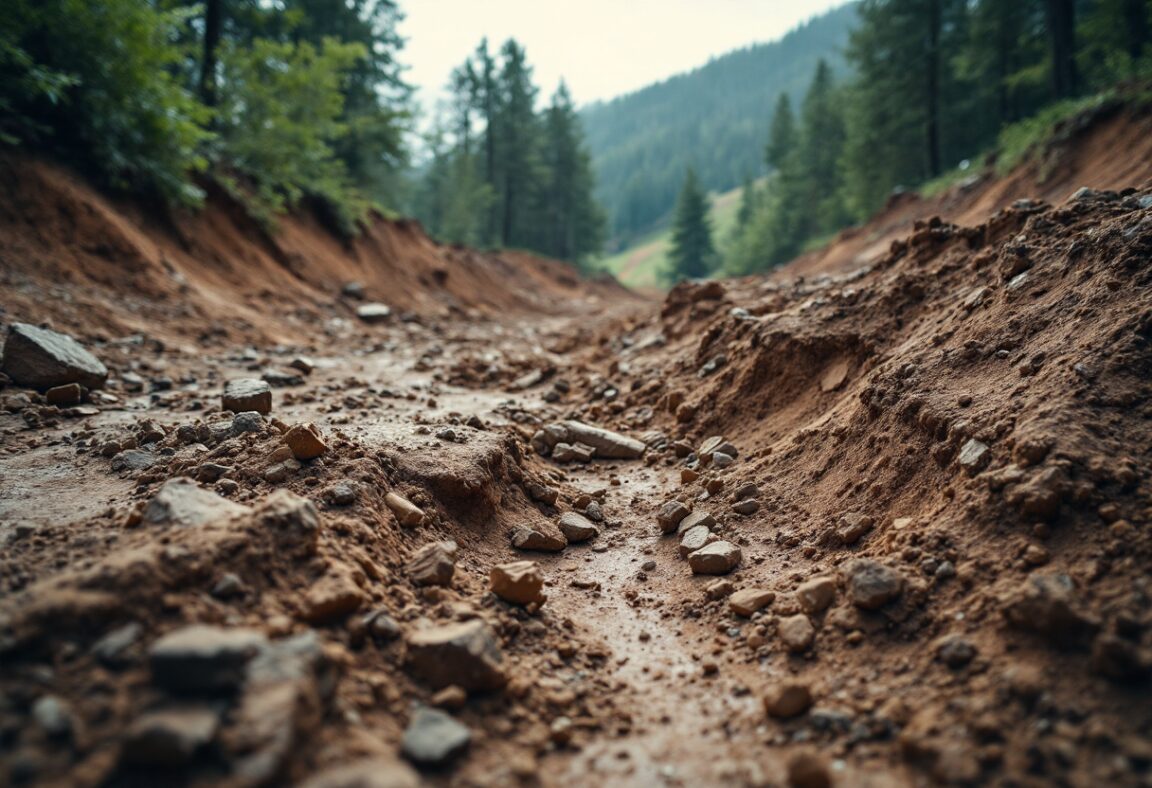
point(808, 769)
point(542, 493)
point(1049, 605)
point(747, 507)
point(305, 442)
point(747, 601)
point(303, 364)
point(332, 598)
point(169, 738)
point(871, 585)
point(248, 421)
point(63, 396)
point(955, 651)
point(282, 378)
point(518, 582)
point(293, 519)
point(374, 313)
point(42, 359)
point(852, 528)
point(247, 394)
point(113, 649)
point(834, 376)
point(693, 539)
point(787, 699)
point(974, 455)
point(717, 443)
point(433, 738)
point(605, 443)
point(433, 564)
point(201, 658)
point(577, 528)
point(715, 559)
point(816, 595)
point(695, 519)
point(133, 460)
point(573, 452)
point(53, 716)
point(183, 503)
point(340, 494)
point(796, 633)
point(670, 515)
point(353, 290)
point(466, 654)
point(719, 588)
point(542, 538)
point(407, 513)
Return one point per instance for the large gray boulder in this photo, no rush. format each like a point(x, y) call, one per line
point(41, 359)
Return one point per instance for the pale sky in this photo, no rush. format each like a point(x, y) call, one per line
point(603, 48)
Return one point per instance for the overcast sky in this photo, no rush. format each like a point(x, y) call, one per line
point(603, 48)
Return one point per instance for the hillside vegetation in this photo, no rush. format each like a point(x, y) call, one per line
point(714, 118)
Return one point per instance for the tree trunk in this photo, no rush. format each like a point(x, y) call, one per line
point(1062, 35)
point(933, 88)
point(213, 13)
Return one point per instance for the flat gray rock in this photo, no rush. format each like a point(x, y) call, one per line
point(247, 394)
point(182, 502)
point(42, 359)
point(577, 528)
point(466, 654)
point(433, 737)
point(204, 659)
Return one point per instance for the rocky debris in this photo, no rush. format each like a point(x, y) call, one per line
point(974, 456)
point(602, 443)
point(63, 396)
point(353, 290)
point(201, 658)
point(808, 769)
point(717, 558)
point(670, 516)
point(542, 493)
point(303, 364)
point(796, 633)
point(955, 651)
point(697, 519)
point(747, 507)
point(133, 460)
point(433, 564)
point(871, 585)
point(54, 716)
point(787, 699)
point(1050, 605)
point(183, 503)
point(247, 394)
point(169, 738)
point(248, 421)
point(374, 313)
point(407, 513)
point(834, 377)
point(717, 444)
point(748, 601)
point(465, 654)
point(114, 649)
point(281, 378)
point(852, 528)
point(542, 538)
point(365, 773)
point(816, 595)
point(573, 452)
point(305, 442)
point(433, 737)
point(380, 624)
point(695, 538)
point(518, 582)
point(42, 359)
point(282, 466)
point(332, 598)
point(577, 528)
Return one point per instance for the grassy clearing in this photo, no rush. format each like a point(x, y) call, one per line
point(640, 265)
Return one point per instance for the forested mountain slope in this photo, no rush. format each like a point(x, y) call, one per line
point(715, 118)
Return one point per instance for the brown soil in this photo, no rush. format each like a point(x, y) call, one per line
point(969, 409)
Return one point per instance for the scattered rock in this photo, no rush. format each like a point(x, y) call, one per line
point(974, 455)
point(332, 598)
point(63, 396)
point(796, 633)
point(54, 717)
point(407, 513)
point(695, 538)
point(747, 507)
point(433, 738)
point(113, 649)
point(955, 651)
point(717, 444)
point(465, 654)
point(852, 528)
point(353, 290)
point(542, 493)
point(169, 738)
point(246, 395)
point(670, 515)
point(340, 494)
point(518, 582)
point(816, 595)
point(747, 601)
point(871, 585)
point(201, 658)
point(695, 519)
point(42, 359)
point(185, 504)
point(248, 421)
point(715, 559)
point(303, 364)
point(834, 376)
point(433, 564)
point(788, 699)
point(573, 452)
point(577, 528)
point(1048, 604)
point(374, 313)
point(133, 460)
point(281, 378)
point(540, 538)
point(305, 442)
point(603, 443)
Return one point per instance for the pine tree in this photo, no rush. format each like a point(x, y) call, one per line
point(519, 137)
point(573, 225)
point(692, 255)
point(782, 136)
point(820, 153)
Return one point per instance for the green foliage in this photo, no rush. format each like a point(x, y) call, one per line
point(692, 255)
point(94, 82)
point(524, 180)
point(280, 118)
